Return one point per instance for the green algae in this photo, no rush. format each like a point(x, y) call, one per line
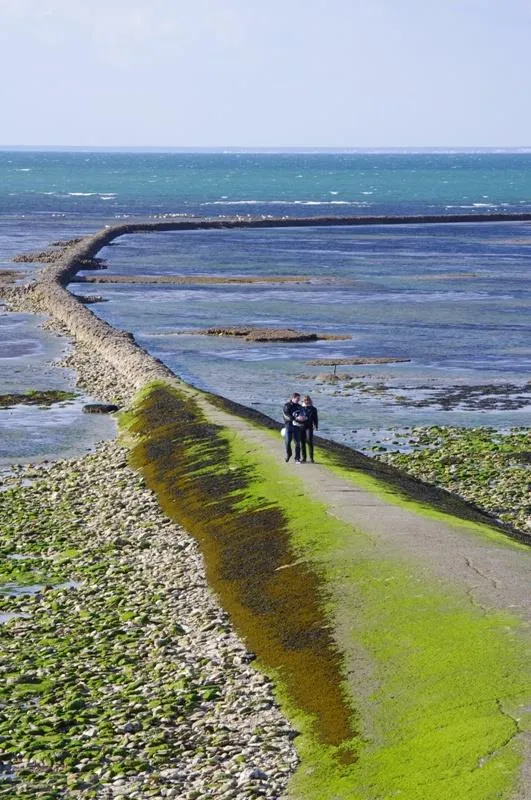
point(488, 467)
point(76, 664)
point(246, 547)
point(34, 397)
point(432, 685)
point(439, 668)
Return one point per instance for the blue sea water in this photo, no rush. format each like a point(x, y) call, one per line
point(454, 299)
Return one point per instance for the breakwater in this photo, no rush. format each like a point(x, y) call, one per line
point(119, 348)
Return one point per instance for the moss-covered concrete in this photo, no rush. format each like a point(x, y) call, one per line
point(399, 684)
point(388, 481)
point(210, 489)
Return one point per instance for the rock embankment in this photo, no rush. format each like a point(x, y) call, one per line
point(48, 294)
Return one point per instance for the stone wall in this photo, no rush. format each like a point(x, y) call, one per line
point(119, 348)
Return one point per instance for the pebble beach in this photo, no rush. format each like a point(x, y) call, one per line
point(143, 687)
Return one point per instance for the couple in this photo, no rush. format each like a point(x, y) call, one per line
point(300, 422)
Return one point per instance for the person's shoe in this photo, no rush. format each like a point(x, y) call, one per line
point(297, 461)
point(287, 458)
point(312, 461)
point(303, 461)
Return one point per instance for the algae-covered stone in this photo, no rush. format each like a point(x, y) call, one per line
point(100, 682)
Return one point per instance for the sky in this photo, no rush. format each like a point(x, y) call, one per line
point(267, 73)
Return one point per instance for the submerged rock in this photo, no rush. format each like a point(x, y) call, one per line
point(100, 408)
point(356, 361)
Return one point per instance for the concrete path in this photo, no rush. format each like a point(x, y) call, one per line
point(487, 569)
point(494, 571)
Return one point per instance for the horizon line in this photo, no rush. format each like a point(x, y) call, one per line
point(264, 149)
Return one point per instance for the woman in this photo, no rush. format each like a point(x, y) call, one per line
point(311, 424)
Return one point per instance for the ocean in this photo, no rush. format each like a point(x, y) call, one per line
point(452, 301)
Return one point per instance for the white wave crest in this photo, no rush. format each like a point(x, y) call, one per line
point(285, 203)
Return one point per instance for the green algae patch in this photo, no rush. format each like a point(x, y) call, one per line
point(15, 575)
point(439, 683)
point(399, 685)
point(244, 536)
point(93, 683)
point(433, 679)
point(488, 467)
point(33, 397)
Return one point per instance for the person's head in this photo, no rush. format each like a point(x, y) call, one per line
point(295, 397)
point(307, 400)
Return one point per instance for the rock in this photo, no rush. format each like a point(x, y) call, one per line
point(100, 408)
point(89, 299)
point(131, 727)
point(252, 774)
point(172, 774)
point(251, 334)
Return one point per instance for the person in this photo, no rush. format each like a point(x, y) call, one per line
point(294, 419)
point(311, 424)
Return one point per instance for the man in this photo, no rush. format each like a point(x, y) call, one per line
point(295, 420)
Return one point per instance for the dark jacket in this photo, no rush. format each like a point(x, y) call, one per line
point(291, 411)
point(312, 418)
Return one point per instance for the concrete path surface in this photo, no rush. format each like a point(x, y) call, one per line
point(487, 570)
point(495, 570)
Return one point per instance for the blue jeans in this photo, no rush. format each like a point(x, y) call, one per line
point(293, 432)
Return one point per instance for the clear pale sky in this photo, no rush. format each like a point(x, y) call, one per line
point(248, 73)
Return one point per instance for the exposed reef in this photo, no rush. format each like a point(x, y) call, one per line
point(464, 397)
point(89, 299)
point(195, 279)
point(356, 360)
point(100, 408)
point(9, 275)
point(251, 334)
point(35, 398)
point(484, 466)
point(50, 256)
